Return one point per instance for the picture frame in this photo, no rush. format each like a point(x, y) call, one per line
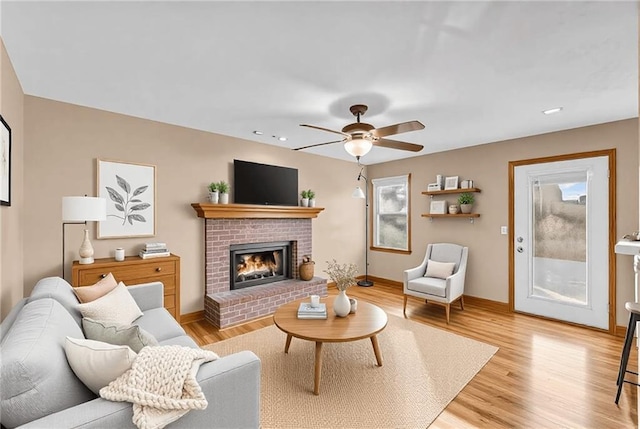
point(5, 163)
point(130, 191)
point(438, 207)
point(451, 182)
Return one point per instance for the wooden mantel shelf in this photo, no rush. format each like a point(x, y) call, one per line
point(243, 211)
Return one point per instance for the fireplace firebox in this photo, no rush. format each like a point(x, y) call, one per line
point(254, 264)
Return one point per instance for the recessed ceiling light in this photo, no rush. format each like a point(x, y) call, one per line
point(282, 139)
point(258, 133)
point(552, 111)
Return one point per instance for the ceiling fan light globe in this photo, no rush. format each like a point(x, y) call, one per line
point(358, 147)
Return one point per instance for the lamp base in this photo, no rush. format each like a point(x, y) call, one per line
point(85, 261)
point(365, 283)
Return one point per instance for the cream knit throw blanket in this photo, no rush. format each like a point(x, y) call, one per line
point(161, 384)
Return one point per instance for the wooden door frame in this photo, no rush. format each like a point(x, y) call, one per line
point(611, 154)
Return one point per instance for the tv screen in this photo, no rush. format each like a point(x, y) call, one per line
point(255, 183)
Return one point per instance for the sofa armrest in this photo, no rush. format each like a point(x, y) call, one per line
point(231, 385)
point(148, 295)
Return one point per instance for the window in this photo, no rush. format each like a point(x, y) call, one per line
point(391, 214)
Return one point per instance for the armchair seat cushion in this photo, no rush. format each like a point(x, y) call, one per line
point(428, 285)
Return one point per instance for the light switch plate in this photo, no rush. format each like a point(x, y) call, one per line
point(503, 230)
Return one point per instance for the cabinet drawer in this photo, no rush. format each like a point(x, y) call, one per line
point(129, 274)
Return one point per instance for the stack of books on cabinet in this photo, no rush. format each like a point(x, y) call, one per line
point(154, 250)
point(306, 311)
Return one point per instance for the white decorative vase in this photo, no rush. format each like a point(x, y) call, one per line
point(86, 250)
point(214, 197)
point(341, 305)
point(224, 198)
point(304, 202)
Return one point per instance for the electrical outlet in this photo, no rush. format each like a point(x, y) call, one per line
point(503, 230)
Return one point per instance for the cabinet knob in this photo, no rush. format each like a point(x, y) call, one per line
point(159, 269)
point(103, 276)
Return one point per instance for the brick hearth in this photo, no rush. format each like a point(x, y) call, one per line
point(225, 307)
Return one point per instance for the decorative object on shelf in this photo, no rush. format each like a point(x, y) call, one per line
point(304, 201)
point(434, 187)
point(439, 182)
point(453, 209)
point(466, 184)
point(354, 305)
point(344, 276)
point(130, 190)
point(306, 268)
point(312, 198)
point(466, 201)
point(119, 254)
point(214, 195)
point(5, 163)
point(357, 193)
point(80, 210)
point(451, 182)
point(223, 189)
point(437, 207)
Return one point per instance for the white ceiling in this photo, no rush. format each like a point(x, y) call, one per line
point(472, 72)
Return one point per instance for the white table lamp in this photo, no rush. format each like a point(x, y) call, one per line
point(82, 210)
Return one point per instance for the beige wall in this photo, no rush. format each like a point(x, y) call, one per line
point(487, 165)
point(64, 140)
point(11, 224)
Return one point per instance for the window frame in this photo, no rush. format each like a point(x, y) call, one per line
point(374, 215)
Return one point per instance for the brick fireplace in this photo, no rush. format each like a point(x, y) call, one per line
point(226, 227)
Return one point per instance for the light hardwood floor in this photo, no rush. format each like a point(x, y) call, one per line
point(545, 375)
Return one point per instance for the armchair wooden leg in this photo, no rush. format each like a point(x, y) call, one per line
point(404, 307)
point(461, 302)
point(447, 307)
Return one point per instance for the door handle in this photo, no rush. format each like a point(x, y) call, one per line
point(520, 249)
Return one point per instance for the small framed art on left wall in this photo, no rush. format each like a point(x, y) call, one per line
point(5, 163)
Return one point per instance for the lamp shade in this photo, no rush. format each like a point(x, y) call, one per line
point(357, 193)
point(82, 209)
point(358, 147)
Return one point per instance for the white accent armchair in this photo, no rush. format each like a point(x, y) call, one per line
point(445, 283)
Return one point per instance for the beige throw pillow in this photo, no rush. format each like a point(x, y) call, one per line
point(97, 364)
point(118, 306)
point(100, 289)
point(113, 333)
point(440, 270)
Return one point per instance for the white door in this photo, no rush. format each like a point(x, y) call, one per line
point(561, 240)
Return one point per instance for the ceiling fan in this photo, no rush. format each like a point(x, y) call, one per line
point(360, 137)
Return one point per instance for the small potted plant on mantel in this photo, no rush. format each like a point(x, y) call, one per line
point(223, 188)
point(304, 202)
point(213, 192)
point(312, 198)
point(466, 201)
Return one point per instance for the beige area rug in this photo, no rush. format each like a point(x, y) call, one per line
point(423, 369)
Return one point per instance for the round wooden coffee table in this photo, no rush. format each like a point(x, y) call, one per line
point(366, 322)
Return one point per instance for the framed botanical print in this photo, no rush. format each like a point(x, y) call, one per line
point(5, 163)
point(130, 191)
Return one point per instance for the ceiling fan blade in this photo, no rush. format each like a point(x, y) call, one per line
point(318, 144)
point(403, 127)
point(394, 144)
point(324, 129)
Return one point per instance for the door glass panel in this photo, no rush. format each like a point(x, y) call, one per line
point(559, 221)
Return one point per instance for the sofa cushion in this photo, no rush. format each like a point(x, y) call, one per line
point(440, 270)
point(117, 306)
point(429, 285)
point(133, 336)
point(97, 363)
point(58, 289)
point(36, 378)
point(160, 323)
point(100, 289)
point(182, 340)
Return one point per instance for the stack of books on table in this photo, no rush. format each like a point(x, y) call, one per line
point(154, 250)
point(306, 311)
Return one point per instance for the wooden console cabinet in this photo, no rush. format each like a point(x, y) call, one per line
point(135, 270)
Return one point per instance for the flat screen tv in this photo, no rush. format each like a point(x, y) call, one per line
point(264, 184)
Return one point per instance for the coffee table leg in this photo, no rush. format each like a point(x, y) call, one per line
point(376, 349)
point(318, 368)
point(288, 343)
